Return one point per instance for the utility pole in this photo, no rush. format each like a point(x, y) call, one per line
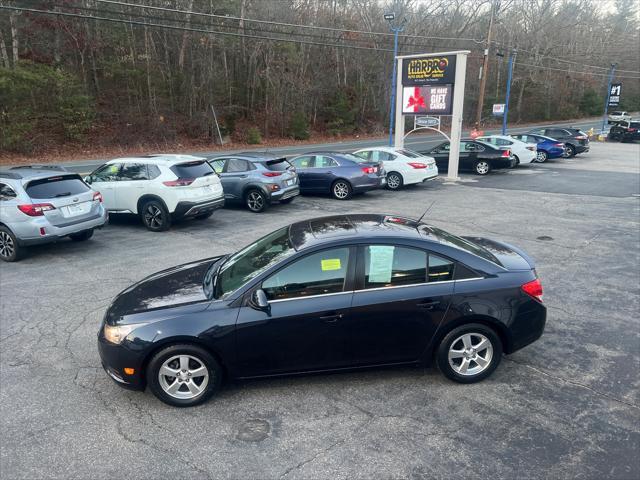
point(396, 29)
point(484, 68)
point(606, 101)
point(512, 59)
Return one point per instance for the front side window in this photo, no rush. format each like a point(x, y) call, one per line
point(106, 173)
point(253, 260)
point(316, 274)
point(217, 165)
point(134, 171)
point(390, 266)
point(303, 162)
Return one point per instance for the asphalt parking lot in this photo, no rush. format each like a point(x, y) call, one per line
point(566, 406)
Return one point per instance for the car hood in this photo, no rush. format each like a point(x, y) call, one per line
point(168, 288)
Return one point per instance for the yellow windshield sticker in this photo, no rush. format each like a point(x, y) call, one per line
point(330, 264)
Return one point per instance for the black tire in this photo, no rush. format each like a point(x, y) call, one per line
point(255, 200)
point(341, 190)
point(571, 150)
point(482, 167)
point(203, 216)
point(394, 181)
point(453, 339)
point(155, 216)
point(197, 354)
point(10, 251)
point(541, 156)
point(517, 161)
point(82, 236)
point(287, 200)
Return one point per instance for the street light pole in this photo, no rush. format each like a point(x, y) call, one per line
point(512, 58)
point(396, 29)
point(607, 96)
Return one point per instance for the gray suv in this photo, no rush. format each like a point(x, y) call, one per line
point(45, 204)
point(256, 179)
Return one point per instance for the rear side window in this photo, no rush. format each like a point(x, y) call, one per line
point(6, 192)
point(440, 269)
point(326, 162)
point(390, 266)
point(237, 165)
point(52, 187)
point(279, 165)
point(192, 169)
point(154, 171)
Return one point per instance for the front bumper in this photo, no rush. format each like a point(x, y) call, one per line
point(191, 209)
point(115, 358)
point(28, 233)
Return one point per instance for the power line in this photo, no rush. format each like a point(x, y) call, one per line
point(570, 71)
point(269, 22)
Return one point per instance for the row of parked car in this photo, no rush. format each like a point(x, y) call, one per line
point(41, 204)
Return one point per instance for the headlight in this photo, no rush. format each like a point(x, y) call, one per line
point(116, 334)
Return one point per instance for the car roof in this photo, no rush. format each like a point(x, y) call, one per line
point(167, 159)
point(251, 156)
point(318, 231)
point(32, 172)
point(381, 149)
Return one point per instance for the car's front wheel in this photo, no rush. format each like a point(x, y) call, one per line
point(256, 201)
point(394, 181)
point(82, 236)
point(541, 156)
point(155, 216)
point(482, 167)
point(10, 251)
point(183, 375)
point(469, 353)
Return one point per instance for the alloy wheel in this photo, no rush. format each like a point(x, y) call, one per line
point(541, 156)
point(153, 216)
point(482, 168)
point(7, 246)
point(255, 201)
point(183, 377)
point(393, 181)
point(470, 354)
point(341, 190)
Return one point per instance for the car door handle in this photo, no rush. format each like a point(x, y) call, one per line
point(428, 304)
point(332, 318)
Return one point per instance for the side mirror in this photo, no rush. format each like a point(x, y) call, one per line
point(88, 179)
point(260, 301)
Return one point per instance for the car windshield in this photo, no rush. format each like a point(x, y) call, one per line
point(447, 238)
point(252, 260)
point(409, 153)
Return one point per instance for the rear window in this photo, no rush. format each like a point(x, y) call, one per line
point(461, 243)
point(634, 124)
point(192, 169)
point(409, 153)
point(59, 186)
point(616, 113)
point(279, 165)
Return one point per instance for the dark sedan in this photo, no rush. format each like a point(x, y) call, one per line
point(330, 293)
point(575, 140)
point(340, 174)
point(476, 156)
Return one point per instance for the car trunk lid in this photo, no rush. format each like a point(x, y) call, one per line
point(509, 256)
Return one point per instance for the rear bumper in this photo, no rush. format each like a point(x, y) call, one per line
point(420, 175)
point(285, 193)
point(503, 163)
point(191, 209)
point(369, 183)
point(28, 233)
point(527, 326)
point(582, 148)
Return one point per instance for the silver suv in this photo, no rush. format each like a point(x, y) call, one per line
point(43, 204)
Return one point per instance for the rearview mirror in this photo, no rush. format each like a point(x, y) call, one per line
point(260, 300)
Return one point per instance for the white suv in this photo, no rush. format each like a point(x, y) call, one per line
point(160, 188)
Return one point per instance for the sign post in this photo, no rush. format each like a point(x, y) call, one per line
point(432, 84)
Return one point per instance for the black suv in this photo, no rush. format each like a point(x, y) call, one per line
point(575, 140)
point(625, 131)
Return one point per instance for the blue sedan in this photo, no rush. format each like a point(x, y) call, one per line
point(340, 174)
point(547, 147)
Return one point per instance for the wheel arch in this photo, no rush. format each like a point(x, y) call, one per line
point(145, 198)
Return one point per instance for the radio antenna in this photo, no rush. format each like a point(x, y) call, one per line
point(427, 211)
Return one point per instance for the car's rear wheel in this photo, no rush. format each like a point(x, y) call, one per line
point(10, 251)
point(183, 375)
point(571, 150)
point(82, 236)
point(517, 161)
point(469, 353)
point(155, 216)
point(255, 200)
point(482, 167)
point(541, 156)
point(341, 190)
point(394, 181)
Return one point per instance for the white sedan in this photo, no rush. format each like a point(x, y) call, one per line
point(523, 152)
point(404, 167)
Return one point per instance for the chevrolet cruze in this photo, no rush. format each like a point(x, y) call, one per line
point(332, 293)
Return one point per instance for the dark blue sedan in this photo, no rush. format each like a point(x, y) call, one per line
point(340, 174)
point(331, 293)
point(547, 147)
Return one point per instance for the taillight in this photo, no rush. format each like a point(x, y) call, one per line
point(506, 153)
point(97, 197)
point(581, 137)
point(561, 145)
point(533, 289)
point(181, 182)
point(417, 165)
point(369, 169)
point(631, 129)
point(272, 174)
point(35, 209)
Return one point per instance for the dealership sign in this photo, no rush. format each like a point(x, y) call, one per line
point(498, 109)
point(614, 94)
point(427, 100)
point(427, 121)
point(437, 70)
